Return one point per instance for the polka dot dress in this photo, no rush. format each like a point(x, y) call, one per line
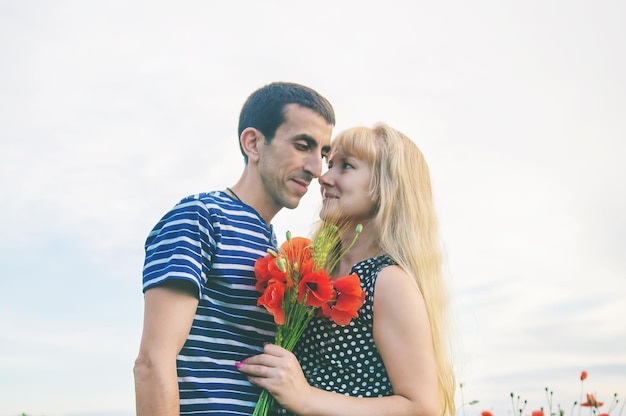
point(344, 359)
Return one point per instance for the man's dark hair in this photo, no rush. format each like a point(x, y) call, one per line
point(265, 108)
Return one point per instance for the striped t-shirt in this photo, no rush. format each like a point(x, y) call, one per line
point(212, 240)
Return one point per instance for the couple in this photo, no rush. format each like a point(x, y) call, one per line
point(206, 346)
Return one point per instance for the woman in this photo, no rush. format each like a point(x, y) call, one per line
point(393, 359)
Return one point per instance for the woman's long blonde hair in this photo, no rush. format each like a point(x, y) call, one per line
point(406, 227)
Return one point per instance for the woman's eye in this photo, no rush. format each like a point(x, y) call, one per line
point(346, 165)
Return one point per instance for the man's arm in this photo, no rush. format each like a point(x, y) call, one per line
point(168, 315)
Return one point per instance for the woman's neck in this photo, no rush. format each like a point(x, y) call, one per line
point(364, 248)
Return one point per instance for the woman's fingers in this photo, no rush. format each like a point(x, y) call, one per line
point(252, 369)
point(277, 371)
point(273, 356)
point(274, 367)
point(274, 349)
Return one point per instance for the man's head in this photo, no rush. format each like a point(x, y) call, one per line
point(265, 109)
point(285, 131)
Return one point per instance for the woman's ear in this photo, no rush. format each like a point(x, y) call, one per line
point(252, 141)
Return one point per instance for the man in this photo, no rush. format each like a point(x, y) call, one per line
point(200, 315)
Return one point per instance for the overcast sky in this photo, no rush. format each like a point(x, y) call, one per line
point(110, 112)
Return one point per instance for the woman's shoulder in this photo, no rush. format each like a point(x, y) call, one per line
point(393, 282)
point(376, 262)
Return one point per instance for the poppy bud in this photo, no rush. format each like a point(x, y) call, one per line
point(280, 262)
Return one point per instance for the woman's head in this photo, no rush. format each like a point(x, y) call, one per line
point(347, 184)
point(398, 187)
point(380, 173)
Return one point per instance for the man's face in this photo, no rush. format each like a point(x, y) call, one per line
point(294, 156)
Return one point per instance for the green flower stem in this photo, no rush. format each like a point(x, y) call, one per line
point(297, 318)
point(263, 405)
point(359, 228)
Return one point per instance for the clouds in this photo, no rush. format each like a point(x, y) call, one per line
point(110, 113)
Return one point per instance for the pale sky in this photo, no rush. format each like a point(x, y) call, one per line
point(110, 112)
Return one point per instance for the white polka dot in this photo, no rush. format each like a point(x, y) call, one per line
point(344, 359)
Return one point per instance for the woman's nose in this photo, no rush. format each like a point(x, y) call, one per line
point(325, 179)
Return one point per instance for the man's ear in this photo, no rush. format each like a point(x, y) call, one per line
point(252, 141)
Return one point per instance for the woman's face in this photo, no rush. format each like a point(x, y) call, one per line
point(346, 189)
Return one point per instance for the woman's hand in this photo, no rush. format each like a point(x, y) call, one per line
point(278, 371)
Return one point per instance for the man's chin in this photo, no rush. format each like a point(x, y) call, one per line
point(293, 203)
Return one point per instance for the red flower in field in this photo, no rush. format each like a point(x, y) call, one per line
point(307, 267)
point(295, 284)
point(297, 250)
point(537, 413)
point(265, 269)
point(317, 287)
point(583, 375)
point(486, 413)
point(272, 299)
point(591, 401)
point(348, 301)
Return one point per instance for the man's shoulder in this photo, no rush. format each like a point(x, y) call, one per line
point(205, 197)
point(218, 205)
point(206, 201)
point(220, 208)
point(204, 204)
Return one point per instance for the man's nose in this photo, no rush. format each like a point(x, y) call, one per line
point(314, 165)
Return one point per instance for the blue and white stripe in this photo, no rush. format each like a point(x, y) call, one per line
point(213, 241)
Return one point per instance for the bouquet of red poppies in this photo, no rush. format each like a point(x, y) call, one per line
point(295, 285)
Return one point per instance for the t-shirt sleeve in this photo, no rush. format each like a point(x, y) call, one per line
point(180, 247)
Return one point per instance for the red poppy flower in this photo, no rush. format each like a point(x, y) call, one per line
point(272, 299)
point(537, 413)
point(293, 284)
point(583, 375)
point(486, 413)
point(317, 287)
point(306, 267)
point(297, 250)
point(591, 401)
point(266, 268)
point(350, 295)
point(349, 299)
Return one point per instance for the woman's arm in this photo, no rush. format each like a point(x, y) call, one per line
point(402, 335)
